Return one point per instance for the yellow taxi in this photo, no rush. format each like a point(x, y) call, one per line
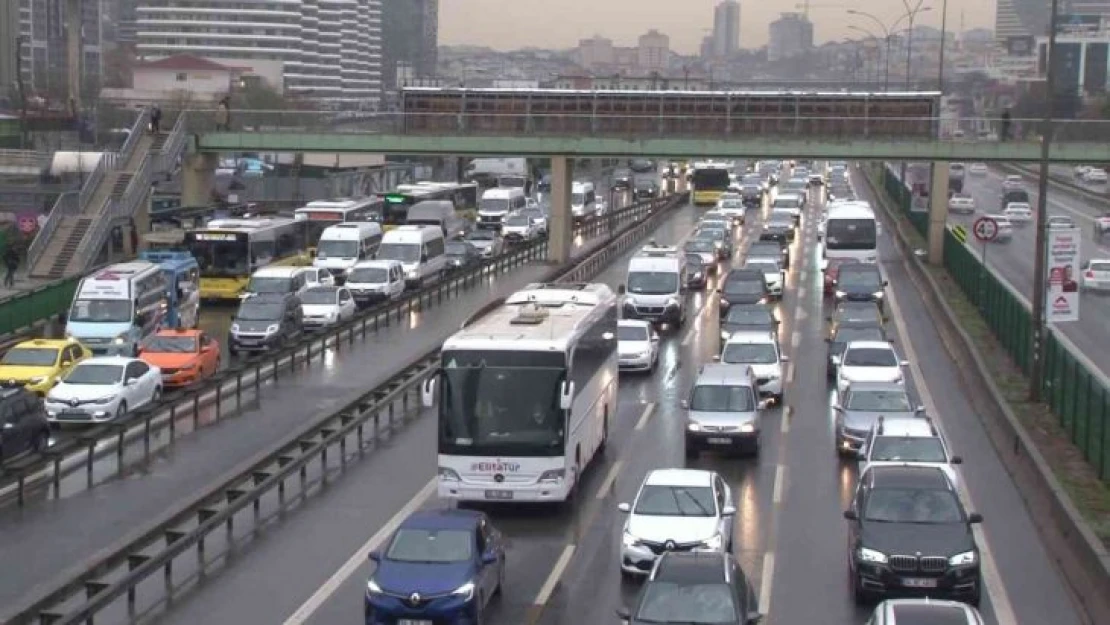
point(38, 364)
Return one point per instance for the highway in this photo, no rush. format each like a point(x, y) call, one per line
point(1013, 261)
point(309, 565)
point(49, 535)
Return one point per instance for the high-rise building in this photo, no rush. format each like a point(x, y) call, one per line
point(654, 51)
point(595, 52)
point(791, 35)
point(44, 49)
point(318, 49)
point(726, 29)
point(411, 39)
point(1018, 22)
point(9, 50)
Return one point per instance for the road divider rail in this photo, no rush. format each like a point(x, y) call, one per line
point(1056, 180)
point(327, 444)
point(72, 453)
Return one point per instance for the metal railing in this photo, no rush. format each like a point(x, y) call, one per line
point(66, 204)
point(138, 129)
point(174, 145)
point(24, 158)
point(359, 425)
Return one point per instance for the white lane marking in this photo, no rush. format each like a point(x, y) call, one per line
point(790, 372)
point(795, 339)
point(992, 581)
point(611, 477)
point(351, 566)
point(765, 582)
point(553, 578)
point(787, 413)
point(780, 477)
point(645, 415)
point(801, 292)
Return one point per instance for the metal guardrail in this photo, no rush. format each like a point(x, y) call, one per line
point(138, 129)
point(24, 158)
point(71, 454)
point(116, 573)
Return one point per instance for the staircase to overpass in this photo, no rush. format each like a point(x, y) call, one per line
point(116, 191)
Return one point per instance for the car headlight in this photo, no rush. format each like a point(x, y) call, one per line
point(628, 540)
point(877, 295)
point(235, 328)
point(714, 543)
point(897, 379)
point(725, 335)
point(271, 329)
point(693, 426)
point(466, 591)
point(841, 294)
point(103, 400)
point(963, 559)
point(697, 275)
point(37, 380)
point(747, 428)
point(870, 555)
point(372, 587)
point(672, 303)
point(120, 340)
point(835, 359)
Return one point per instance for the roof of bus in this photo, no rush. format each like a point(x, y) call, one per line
point(850, 210)
point(351, 230)
point(340, 203)
point(554, 316)
point(246, 224)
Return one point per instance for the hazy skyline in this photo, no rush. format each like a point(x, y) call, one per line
point(559, 24)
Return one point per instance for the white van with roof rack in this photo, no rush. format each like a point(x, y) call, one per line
point(655, 288)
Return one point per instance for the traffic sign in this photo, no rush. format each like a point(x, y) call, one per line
point(985, 229)
point(960, 233)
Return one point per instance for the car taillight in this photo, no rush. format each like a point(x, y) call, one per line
point(1090, 274)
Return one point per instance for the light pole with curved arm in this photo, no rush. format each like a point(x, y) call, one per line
point(888, 31)
point(886, 56)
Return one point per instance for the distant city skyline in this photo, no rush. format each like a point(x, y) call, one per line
point(559, 25)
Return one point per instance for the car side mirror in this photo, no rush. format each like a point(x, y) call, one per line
point(654, 338)
point(753, 618)
point(838, 408)
point(886, 283)
point(624, 614)
point(861, 455)
point(919, 409)
point(851, 515)
point(131, 381)
point(956, 460)
point(8, 426)
point(375, 556)
point(728, 511)
point(784, 358)
point(566, 395)
point(716, 358)
point(428, 392)
point(685, 404)
point(489, 557)
point(905, 363)
point(624, 507)
point(974, 517)
point(764, 404)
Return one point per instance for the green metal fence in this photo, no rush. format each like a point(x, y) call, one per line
point(1077, 393)
point(22, 310)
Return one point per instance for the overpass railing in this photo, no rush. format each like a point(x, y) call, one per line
point(1074, 388)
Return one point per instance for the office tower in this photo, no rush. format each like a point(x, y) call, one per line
point(726, 29)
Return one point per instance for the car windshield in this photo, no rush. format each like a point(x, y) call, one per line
point(456, 248)
point(577, 199)
point(429, 546)
point(170, 344)
point(847, 334)
point(269, 285)
point(859, 314)
point(657, 500)
point(711, 234)
point(653, 282)
point(745, 315)
point(879, 401)
point(319, 296)
point(101, 310)
point(856, 279)
point(772, 250)
point(369, 275)
point(259, 311)
point(743, 287)
point(736, 203)
point(907, 449)
point(780, 220)
point(694, 261)
point(632, 333)
point(749, 354)
point(870, 357)
point(30, 357)
point(95, 374)
point(1100, 266)
point(667, 602)
point(518, 220)
point(481, 235)
point(403, 252)
point(762, 265)
point(718, 398)
point(905, 505)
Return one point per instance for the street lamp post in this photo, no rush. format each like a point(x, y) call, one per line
point(943, 41)
point(888, 31)
point(886, 55)
point(912, 14)
point(1037, 370)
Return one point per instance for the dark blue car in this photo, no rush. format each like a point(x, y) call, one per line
point(441, 566)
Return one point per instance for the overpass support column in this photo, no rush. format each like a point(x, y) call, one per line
point(938, 213)
point(680, 185)
point(197, 178)
point(560, 233)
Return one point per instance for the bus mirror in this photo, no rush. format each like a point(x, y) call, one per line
point(566, 395)
point(428, 392)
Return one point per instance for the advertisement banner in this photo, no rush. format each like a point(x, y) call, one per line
point(1062, 283)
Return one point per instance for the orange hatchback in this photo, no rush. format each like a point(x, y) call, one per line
point(184, 356)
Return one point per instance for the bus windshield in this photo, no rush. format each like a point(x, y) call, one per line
point(850, 234)
point(101, 311)
point(224, 258)
point(711, 179)
point(501, 403)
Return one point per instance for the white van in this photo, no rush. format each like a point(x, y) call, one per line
point(497, 203)
point(419, 249)
point(116, 308)
point(655, 289)
point(583, 200)
point(343, 245)
point(280, 280)
point(439, 213)
point(374, 281)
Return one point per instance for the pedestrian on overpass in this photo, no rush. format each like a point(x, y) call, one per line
point(1004, 131)
point(223, 115)
point(155, 120)
point(11, 261)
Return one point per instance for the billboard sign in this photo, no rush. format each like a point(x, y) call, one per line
point(1062, 283)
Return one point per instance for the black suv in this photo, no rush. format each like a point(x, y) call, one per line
point(779, 227)
point(695, 587)
point(744, 286)
point(24, 425)
point(265, 322)
point(859, 282)
point(909, 535)
point(622, 179)
point(777, 250)
point(645, 189)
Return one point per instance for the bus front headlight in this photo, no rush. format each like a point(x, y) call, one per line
point(553, 475)
point(271, 329)
point(841, 294)
point(120, 340)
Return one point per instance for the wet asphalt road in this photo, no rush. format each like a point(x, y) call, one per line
point(790, 537)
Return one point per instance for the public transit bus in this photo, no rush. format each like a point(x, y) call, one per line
point(710, 181)
point(318, 215)
point(849, 234)
point(230, 250)
point(527, 395)
point(464, 196)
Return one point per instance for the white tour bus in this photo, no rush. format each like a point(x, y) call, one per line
point(322, 214)
point(341, 246)
point(527, 394)
point(850, 232)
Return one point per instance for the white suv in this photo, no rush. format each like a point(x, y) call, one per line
point(676, 510)
point(761, 352)
point(869, 361)
point(907, 441)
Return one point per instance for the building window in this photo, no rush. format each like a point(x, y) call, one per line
point(182, 77)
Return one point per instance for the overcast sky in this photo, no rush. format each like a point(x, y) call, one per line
point(510, 24)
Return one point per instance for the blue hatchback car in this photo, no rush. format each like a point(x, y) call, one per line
point(440, 566)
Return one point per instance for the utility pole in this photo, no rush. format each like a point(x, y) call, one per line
point(1037, 373)
point(73, 48)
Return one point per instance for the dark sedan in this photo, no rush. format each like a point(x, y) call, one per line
point(748, 318)
point(776, 250)
point(696, 270)
point(461, 255)
point(779, 227)
point(859, 282)
point(743, 286)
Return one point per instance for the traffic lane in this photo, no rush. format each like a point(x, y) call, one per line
point(246, 593)
point(42, 533)
point(1026, 580)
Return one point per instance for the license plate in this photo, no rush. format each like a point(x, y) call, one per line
point(720, 441)
point(409, 621)
point(499, 494)
point(919, 582)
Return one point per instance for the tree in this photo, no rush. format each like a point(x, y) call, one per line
point(258, 97)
